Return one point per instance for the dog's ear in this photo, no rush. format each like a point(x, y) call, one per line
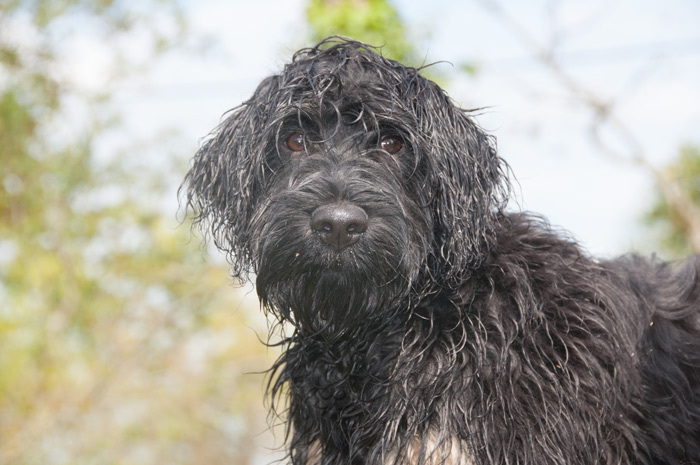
point(224, 181)
point(469, 182)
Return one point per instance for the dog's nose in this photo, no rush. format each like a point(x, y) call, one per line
point(339, 224)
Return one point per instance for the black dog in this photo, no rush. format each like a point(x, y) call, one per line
point(429, 325)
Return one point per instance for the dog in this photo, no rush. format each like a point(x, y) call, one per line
point(426, 323)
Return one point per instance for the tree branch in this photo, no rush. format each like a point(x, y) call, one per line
point(603, 115)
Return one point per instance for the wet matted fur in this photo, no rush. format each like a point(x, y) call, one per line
point(429, 324)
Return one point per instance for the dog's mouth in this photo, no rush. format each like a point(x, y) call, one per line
point(330, 302)
point(325, 286)
point(328, 259)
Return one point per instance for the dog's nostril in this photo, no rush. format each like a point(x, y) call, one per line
point(339, 224)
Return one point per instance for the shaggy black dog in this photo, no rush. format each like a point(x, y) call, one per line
point(428, 325)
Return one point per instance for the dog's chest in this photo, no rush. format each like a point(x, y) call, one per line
point(393, 398)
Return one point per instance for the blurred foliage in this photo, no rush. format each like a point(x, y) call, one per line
point(375, 22)
point(671, 230)
point(118, 344)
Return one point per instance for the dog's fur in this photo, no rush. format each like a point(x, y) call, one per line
point(445, 330)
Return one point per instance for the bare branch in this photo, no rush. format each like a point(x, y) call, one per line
point(604, 115)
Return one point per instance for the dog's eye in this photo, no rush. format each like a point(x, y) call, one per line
point(295, 142)
point(391, 144)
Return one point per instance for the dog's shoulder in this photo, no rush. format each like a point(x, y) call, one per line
point(529, 247)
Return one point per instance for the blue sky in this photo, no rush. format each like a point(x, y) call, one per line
point(643, 55)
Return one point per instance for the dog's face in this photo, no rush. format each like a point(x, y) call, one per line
point(347, 184)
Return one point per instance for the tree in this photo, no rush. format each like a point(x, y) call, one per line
point(677, 208)
point(375, 22)
point(673, 230)
point(117, 343)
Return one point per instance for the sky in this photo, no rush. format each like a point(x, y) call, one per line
point(643, 56)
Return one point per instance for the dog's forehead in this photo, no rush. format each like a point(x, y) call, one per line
point(360, 87)
point(348, 75)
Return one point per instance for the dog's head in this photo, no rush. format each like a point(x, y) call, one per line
point(347, 180)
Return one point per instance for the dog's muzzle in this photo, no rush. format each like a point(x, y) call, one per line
point(339, 224)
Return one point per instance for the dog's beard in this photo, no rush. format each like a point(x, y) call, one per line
point(330, 302)
point(326, 291)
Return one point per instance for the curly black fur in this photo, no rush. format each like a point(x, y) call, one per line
point(446, 330)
